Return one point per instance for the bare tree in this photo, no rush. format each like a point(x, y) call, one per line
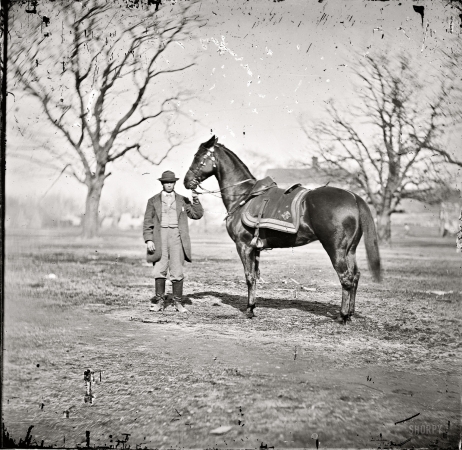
point(455, 3)
point(94, 78)
point(391, 143)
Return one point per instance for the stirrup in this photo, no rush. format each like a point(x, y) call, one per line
point(256, 242)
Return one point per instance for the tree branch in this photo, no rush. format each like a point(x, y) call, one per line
point(112, 158)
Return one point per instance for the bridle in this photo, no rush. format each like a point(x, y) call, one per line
point(204, 161)
point(210, 156)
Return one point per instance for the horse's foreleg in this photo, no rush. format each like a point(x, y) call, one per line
point(257, 264)
point(249, 260)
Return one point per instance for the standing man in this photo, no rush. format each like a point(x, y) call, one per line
point(166, 233)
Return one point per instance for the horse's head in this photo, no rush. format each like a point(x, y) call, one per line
point(203, 166)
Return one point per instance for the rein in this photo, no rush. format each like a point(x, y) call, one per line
point(206, 191)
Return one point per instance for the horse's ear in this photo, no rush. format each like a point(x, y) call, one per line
point(211, 142)
point(216, 141)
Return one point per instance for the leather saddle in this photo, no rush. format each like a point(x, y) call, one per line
point(273, 208)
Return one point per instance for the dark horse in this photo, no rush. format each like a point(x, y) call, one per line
point(335, 217)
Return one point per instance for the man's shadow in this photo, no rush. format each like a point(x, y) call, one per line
point(239, 302)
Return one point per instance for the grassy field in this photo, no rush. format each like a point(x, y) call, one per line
point(287, 378)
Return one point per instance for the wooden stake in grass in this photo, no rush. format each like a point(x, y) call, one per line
point(89, 378)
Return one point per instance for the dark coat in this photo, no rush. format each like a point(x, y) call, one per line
point(153, 219)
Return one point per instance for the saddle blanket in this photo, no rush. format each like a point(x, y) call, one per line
point(281, 212)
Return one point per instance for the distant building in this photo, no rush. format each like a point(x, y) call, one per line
point(450, 211)
point(128, 222)
point(440, 215)
point(108, 222)
point(312, 177)
point(71, 220)
point(416, 213)
point(55, 221)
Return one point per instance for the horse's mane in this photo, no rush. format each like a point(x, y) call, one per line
point(236, 159)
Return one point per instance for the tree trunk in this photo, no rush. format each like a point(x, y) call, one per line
point(384, 227)
point(91, 217)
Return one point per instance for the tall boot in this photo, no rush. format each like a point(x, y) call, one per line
point(177, 287)
point(158, 302)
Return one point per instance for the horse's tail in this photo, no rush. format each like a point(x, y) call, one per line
point(370, 239)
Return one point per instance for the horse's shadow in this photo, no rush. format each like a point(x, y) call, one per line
point(239, 302)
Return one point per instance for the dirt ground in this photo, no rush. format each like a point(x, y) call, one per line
point(287, 378)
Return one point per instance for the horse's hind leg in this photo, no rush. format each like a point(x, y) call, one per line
point(250, 261)
point(346, 297)
point(346, 276)
point(351, 257)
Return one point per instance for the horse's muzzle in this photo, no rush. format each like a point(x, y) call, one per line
point(190, 181)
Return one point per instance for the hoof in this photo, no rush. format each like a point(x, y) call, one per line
point(343, 319)
point(346, 319)
point(250, 314)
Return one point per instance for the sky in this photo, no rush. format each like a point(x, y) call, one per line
point(261, 65)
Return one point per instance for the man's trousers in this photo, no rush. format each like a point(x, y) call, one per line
point(172, 255)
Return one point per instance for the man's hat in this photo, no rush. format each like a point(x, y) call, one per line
point(168, 177)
